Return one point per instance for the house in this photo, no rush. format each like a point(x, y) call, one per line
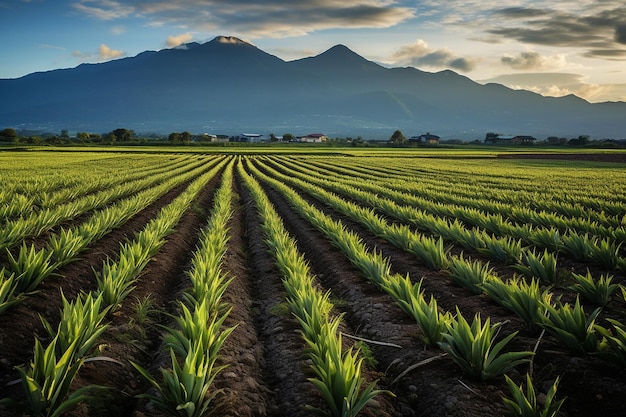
point(313, 138)
point(426, 138)
point(523, 140)
point(249, 137)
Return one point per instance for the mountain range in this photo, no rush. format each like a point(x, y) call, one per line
point(228, 86)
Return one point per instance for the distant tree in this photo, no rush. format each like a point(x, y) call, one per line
point(580, 141)
point(123, 135)
point(491, 136)
point(34, 140)
point(8, 135)
point(288, 137)
point(397, 138)
point(185, 137)
point(65, 133)
point(109, 138)
point(273, 138)
point(83, 136)
point(555, 140)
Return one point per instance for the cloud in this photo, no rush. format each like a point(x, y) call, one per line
point(419, 54)
point(561, 84)
point(105, 9)
point(252, 19)
point(105, 53)
point(532, 60)
point(174, 41)
point(597, 26)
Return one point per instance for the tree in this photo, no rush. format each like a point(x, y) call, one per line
point(185, 137)
point(174, 137)
point(288, 137)
point(397, 138)
point(123, 135)
point(273, 138)
point(8, 135)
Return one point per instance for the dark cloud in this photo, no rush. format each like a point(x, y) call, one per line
point(520, 12)
point(419, 54)
point(620, 33)
point(525, 60)
point(251, 18)
point(602, 32)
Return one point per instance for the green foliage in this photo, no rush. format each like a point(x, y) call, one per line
point(184, 390)
point(8, 297)
point(542, 266)
point(31, 267)
point(80, 324)
point(613, 345)
point(410, 298)
point(522, 298)
point(503, 249)
point(470, 275)
point(338, 374)
point(523, 402)
point(432, 252)
point(598, 292)
point(473, 348)
point(47, 381)
point(571, 325)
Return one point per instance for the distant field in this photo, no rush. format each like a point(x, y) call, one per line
point(282, 253)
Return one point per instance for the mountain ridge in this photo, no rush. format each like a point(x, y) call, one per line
point(228, 85)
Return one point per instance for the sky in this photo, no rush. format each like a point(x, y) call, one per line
point(554, 47)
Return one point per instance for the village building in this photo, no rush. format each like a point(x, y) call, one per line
point(313, 138)
point(426, 138)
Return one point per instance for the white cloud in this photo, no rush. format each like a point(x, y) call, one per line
point(174, 41)
point(118, 30)
point(105, 9)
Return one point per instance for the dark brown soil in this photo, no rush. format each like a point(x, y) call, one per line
point(592, 157)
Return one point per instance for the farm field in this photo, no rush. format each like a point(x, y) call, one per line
point(260, 278)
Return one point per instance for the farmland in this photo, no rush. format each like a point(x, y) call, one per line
point(422, 283)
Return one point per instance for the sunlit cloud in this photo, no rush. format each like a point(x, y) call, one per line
point(419, 54)
point(561, 84)
point(174, 41)
point(533, 60)
point(105, 53)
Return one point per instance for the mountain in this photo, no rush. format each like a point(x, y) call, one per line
point(230, 86)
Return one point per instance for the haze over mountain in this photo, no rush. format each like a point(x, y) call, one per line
point(229, 86)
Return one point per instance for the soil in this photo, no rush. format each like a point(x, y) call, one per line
point(592, 157)
point(267, 369)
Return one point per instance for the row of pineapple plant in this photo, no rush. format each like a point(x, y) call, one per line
point(31, 266)
point(185, 388)
point(47, 380)
point(337, 371)
point(506, 244)
point(49, 196)
point(491, 189)
point(38, 222)
point(473, 347)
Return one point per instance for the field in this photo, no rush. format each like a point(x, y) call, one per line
point(276, 283)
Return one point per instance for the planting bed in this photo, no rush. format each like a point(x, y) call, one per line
point(267, 369)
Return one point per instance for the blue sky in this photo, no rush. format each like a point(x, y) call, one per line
point(552, 47)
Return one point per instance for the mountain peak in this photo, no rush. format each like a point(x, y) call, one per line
point(231, 40)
